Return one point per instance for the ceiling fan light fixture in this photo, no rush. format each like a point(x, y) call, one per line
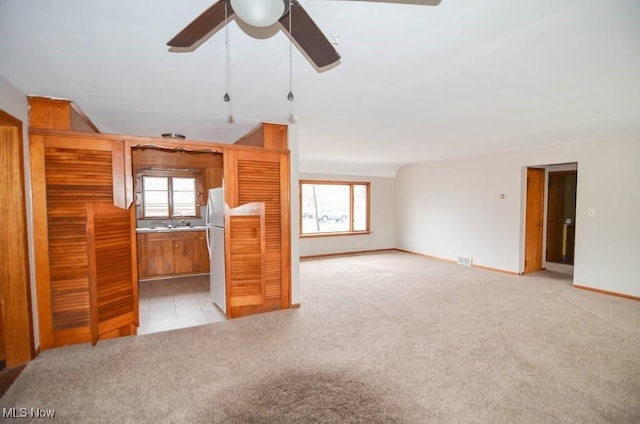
point(260, 13)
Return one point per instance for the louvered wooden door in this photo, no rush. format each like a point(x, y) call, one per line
point(112, 260)
point(245, 259)
point(263, 177)
point(67, 173)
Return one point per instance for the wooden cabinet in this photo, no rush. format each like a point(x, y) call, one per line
point(163, 254)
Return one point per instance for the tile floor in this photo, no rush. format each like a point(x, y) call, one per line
point(173, 303)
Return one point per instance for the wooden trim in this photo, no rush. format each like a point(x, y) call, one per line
point(92, 271)
point(41, 239)
point(60, 141)
point(128, 174)
point(334, 182)
point(134, 268)
point(487, 268)
point(607, 292)
point(352, 253)
point(351, 185)
point(15, 289)
point(320, 235)
point(170, 277)
point(295, 305)
point(426, 256)
point(162, 143)
point(170, 174)
point(118, 172)
point(285, 229)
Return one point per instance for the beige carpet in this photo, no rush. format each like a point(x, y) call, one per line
point(388, 337)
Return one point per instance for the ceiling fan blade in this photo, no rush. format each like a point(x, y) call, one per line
point(202, 25)
point(309, 37)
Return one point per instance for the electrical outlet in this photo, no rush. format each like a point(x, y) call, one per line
point(591, 212)
point(453, 247)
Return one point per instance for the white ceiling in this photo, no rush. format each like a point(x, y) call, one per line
point(415, 83)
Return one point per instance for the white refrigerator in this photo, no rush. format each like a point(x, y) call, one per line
point(215, 243)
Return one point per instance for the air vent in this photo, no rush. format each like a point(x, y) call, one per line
point(464, 261)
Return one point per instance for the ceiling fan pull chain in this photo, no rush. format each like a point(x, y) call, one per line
point(292, 118)
point(226, 97)
point(290, 96)
point(227, 60)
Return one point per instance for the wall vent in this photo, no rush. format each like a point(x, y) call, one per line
point(464, 261)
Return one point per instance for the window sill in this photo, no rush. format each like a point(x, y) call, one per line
point(339, 234)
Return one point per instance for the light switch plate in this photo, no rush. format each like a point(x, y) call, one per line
point(591, 212)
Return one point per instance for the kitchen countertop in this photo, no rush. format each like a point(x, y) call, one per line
point(169, 229)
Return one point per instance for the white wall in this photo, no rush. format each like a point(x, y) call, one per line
point(382, 220)
point(292, 133)
point(454, 204)
point(14, 102)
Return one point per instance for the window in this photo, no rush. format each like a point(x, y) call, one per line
point(168, 196)
point(334, 207)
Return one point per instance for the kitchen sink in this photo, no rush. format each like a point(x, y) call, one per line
point(170, 228)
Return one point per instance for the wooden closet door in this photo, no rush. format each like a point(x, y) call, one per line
point(112, 277)
point(245, 259)
point(264, 177)
point(67, 173)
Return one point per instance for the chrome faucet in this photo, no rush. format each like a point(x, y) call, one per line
point(179, 222)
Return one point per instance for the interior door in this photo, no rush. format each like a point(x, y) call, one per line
point(245, 260)
point(113, 285)
point(16, 328)
point(534, 220)
point(264, 177)
point(67, 172)
point(555, 210)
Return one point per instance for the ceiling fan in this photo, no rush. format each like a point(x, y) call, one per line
point(262, 13)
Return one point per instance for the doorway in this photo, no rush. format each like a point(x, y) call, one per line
point(561, 216)
point(171, 188)
point(550, 218)
point(16, 326)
